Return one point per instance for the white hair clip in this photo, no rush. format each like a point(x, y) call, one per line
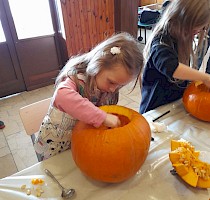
point(115, 50)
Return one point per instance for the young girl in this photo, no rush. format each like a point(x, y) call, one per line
point(169, 51)
point(86, 82)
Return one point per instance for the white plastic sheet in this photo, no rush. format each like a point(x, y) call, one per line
point(152, 182)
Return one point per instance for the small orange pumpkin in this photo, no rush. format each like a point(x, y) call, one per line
point(112, 155)
point(196, 100)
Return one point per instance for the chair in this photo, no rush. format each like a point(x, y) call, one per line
point(32, 116)
point(147, 18)
point(145, 27)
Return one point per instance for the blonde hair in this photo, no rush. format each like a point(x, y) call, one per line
point(179, 20)
point(100, 57)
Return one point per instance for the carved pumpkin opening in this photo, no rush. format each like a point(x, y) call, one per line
point(203, 88)
point(124, 120)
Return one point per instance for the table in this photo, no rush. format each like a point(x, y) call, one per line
point(152, 182)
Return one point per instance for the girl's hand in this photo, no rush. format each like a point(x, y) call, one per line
point(207, 82)
point(112, 121)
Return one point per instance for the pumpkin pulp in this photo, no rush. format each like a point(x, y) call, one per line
point(187, 164)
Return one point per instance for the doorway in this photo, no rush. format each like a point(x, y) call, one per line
point(32, 45)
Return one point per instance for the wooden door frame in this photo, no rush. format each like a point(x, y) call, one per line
point(16, 85)
point(126, 16)
point(60, 41)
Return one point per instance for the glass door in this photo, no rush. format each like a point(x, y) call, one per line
point(31, 18)
point(32, 27)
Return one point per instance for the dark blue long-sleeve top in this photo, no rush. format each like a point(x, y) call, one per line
point(158, 85)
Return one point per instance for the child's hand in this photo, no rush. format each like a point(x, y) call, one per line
point(207, 82)
point(112, 121)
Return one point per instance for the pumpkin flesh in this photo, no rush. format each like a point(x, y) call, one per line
point(187, 164)
point(112, 155)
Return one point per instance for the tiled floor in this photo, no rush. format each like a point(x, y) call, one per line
point(16, 150)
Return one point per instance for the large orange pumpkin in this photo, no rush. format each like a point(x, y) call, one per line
point(196, 100)
point(112, 155)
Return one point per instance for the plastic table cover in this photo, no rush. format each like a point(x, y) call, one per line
point(152, 182)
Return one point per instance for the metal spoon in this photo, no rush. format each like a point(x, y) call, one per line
point(66, 193)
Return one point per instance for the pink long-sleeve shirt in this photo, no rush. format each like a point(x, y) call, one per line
point(68, 100)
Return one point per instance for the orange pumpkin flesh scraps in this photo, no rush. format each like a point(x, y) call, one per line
point(196, 100)
point(187, 164)
point(112, 155)
point(36, 181)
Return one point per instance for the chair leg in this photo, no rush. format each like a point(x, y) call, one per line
point(39, 157)
point(145, 35)
point(140, 38)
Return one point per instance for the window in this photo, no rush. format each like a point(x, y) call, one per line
point(32, 18)
point(2, 36)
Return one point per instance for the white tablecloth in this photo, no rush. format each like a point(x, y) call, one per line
point(152, 182)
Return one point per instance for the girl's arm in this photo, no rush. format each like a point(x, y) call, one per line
point(68, 100)
point(184, 72)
